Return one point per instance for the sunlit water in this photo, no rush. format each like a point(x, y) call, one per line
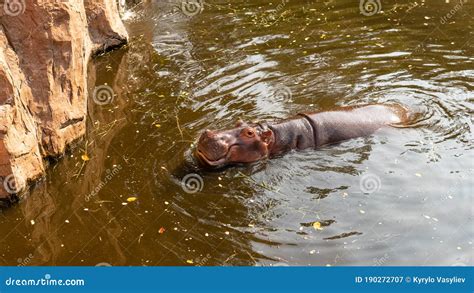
point(400, 197)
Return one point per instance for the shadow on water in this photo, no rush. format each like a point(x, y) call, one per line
point(130, 193)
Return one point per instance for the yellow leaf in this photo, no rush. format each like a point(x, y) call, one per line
point(132, 198)
point(157, 125)
point(85, 157)
point(189, 261)
point(317, 226)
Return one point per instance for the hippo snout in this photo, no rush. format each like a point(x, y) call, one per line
point(214, 145)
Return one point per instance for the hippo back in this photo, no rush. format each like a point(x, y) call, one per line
point(350, 122)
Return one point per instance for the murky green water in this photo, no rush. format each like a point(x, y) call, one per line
point(260, 60)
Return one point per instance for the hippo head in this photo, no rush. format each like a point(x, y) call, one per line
point(243, 144)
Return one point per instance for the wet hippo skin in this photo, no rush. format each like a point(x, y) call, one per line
point(248, 143)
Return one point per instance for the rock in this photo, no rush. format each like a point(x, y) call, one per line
point(45, 47)
point(20, 157)
point(106, 29)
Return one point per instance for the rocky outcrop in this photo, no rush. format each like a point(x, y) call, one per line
point(45, 47)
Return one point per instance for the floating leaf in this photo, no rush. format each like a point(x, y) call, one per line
point(157, 125)
point(317, 226)
point(132, 199)
point(189, 261)
point(161, 230)
point(85, 157)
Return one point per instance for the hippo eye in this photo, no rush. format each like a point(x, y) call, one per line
point(249, 132)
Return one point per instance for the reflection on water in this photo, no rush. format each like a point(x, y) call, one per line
point(401, 197)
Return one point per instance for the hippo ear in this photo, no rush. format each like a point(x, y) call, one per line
point(266, 136)
point(240, 123)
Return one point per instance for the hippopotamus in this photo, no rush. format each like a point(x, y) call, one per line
point(252, 142)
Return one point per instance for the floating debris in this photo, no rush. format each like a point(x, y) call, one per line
point(321, 223)
point(132, 199)
point(343, 235)
point(317, 226)
point(161, 230)
point(85, 157)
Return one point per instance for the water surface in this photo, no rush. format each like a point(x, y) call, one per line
point(400, 197)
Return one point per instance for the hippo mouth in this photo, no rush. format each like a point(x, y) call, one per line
point(213, 162)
